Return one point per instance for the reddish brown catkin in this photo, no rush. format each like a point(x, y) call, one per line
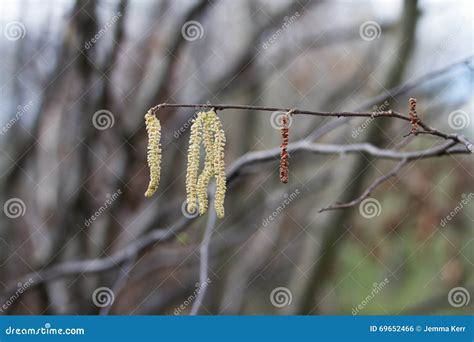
point(284, 149)
point(413, 116)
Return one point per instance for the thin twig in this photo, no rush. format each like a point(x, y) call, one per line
point(388, 113)
point(393, 93)
point(369, 190)
point(376, 114)
point(410, 85)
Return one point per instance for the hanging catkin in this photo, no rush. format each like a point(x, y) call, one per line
point(193, 162)
point(153, 129)
point(206, 128)
point(208, 171)
point(413, 116)
point(284, 149)
point(219, 167)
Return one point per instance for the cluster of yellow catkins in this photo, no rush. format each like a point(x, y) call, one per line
point(153, 129)
point(206, 128)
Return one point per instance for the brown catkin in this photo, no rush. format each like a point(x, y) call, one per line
point(413, 116)
point(284, 149)
point(153, 129)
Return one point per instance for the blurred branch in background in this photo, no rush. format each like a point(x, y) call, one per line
point(317, 263)
point(235, 171)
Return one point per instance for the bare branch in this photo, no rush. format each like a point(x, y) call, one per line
point(408, 86)
point(159, 89)
point(102, 264)
point(233, 172)
point(393, 93)
point(252, 158)
point(376, 114)
point(369, 190)
point(277, 109)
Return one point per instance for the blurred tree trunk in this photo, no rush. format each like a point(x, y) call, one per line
point(318, 264)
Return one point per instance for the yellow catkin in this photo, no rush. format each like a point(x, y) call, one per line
point(193, 162)
point(208, 171)
point(153, 129)
point(219, 167)
point(206, 128)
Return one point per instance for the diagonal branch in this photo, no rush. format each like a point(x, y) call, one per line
point(395, 92)
point(369, 190)
point(410, 85)
point(233, 172)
